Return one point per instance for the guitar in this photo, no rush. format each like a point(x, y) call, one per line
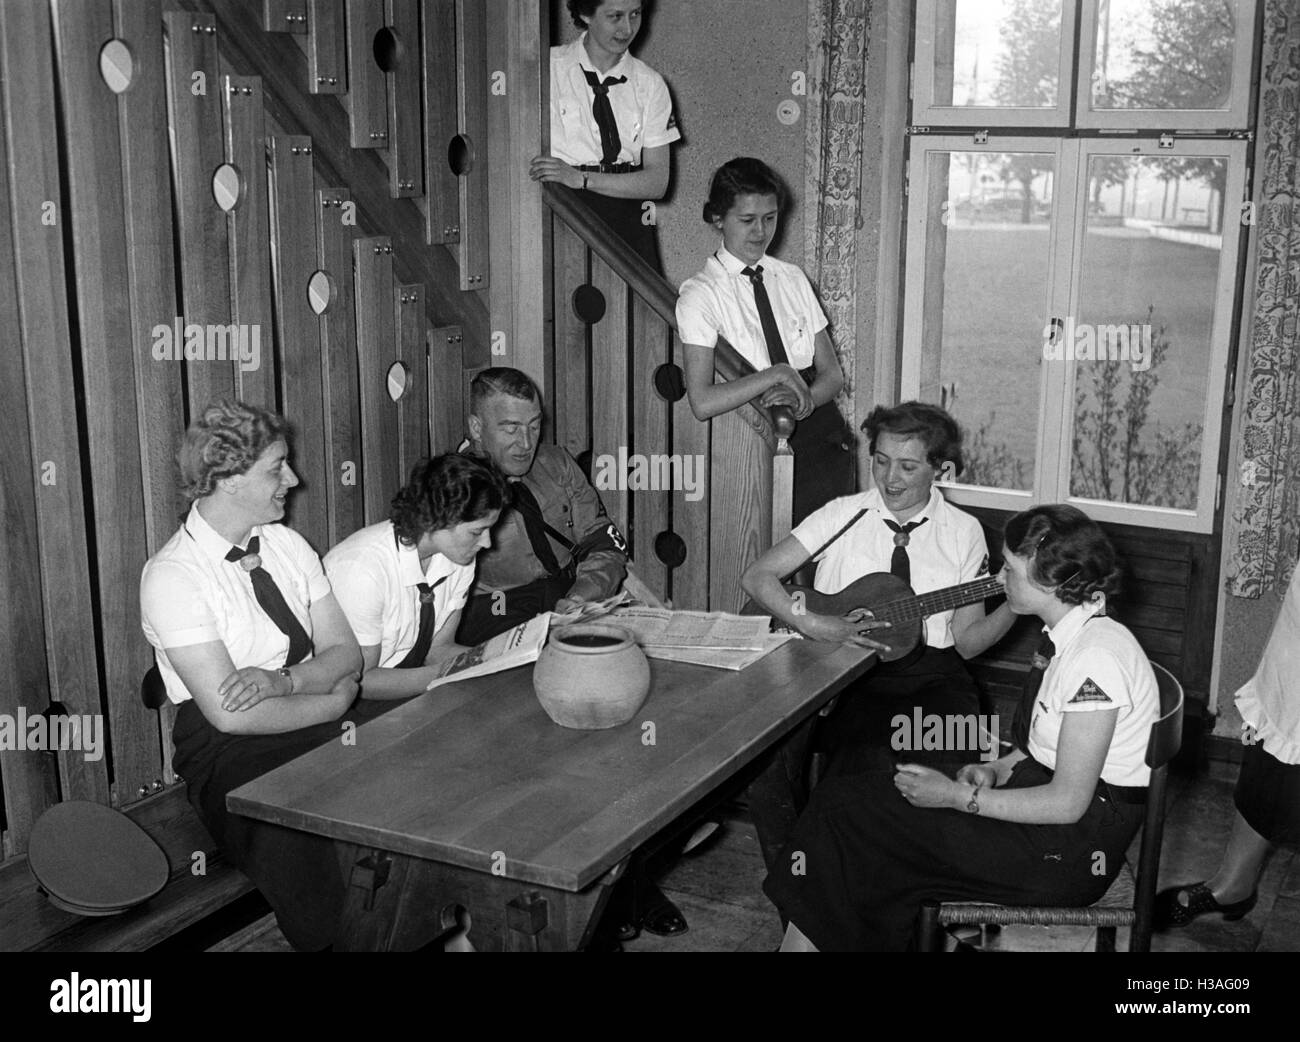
point(887, 597)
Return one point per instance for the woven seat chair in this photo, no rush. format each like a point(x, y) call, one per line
point(1130, 900)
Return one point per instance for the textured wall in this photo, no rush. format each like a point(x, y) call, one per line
point(729, 65)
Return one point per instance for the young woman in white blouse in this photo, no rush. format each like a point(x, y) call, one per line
point(766, 309)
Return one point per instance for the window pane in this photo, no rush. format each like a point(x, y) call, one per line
point(1164, 54)
point(985, 299)
point(997, 53)
point(1141, 341)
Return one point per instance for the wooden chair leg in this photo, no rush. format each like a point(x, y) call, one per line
point(929, 933)
point(1105, 938)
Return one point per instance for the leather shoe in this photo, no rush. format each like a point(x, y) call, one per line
point(1171, 912)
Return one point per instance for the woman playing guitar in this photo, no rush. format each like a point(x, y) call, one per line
point(906, 527)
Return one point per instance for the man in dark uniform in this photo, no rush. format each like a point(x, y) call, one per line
point(556, 547)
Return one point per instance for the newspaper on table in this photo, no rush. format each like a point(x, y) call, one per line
point(518, 646)
point(719, 659)
point(700, 630)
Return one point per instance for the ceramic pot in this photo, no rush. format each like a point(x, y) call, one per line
point(591, 676)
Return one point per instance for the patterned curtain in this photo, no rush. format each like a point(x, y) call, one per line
point(838, 31)
point(1266, 512)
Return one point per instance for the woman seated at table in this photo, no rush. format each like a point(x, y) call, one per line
point(1044, 825)
point(255, 651)
point(767, 311)
point(402, 582)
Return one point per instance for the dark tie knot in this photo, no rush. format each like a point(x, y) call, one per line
point(247, 559)
point(903, 533)
point(426, 593)
point(602, 87)
point(755, 274)
point(1044, 652)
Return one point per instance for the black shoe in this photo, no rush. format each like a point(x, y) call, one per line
point(1171, 912)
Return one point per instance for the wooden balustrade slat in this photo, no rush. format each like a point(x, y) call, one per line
point(43, 331)
point(248, 225)
point(689, 584)
point(740, 491)
point(405, 142)
point(413, 405)
point(29, 783)
point(376, 352)
point(327, 67)
point(441, 119)
point(571, 407)
point(338, 328)
point(472, 93)
point(651, 348)
point(610, 419)
point(293, 241)
point(447, 402)
point(195, 120)
point(367, 99)
point(103, 315)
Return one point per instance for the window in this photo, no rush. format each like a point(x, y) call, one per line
point(1071, 265)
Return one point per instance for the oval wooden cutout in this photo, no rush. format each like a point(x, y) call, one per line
point(399, 376)
point(227, 186)
point(116, 65)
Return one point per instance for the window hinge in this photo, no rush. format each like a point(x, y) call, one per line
point(980, 137)
point(1166, 141)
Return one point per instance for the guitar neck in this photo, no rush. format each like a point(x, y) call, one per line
point(921, 605)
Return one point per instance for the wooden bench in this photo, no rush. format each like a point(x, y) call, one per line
point(29, 922)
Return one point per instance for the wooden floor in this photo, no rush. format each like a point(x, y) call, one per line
point(718, 890)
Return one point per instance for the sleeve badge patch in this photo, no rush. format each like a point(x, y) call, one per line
point(984, 567)
point(1089, 692)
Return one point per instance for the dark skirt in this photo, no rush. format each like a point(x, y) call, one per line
point(862, 859)
point(824, 460)
point(1268, 796)
point(627, 217)
point(297, 872)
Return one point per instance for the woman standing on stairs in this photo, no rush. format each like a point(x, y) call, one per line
point(611, 123)
point(254, 650)
point(766, 310)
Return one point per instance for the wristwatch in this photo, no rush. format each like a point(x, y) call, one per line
point(284, 672)
point(974, 805)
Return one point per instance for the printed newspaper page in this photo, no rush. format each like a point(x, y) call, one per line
point(515, 647)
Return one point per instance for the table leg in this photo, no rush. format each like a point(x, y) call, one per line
point(396, 902)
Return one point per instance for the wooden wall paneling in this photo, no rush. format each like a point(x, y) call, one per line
point(248, 228)
point(571, 407)
point(472, 83)
point(246, 49)
point(447, 403)
point(293, 240)
point(151, 276)
point(338, 331)
point(284, 16)
point(740, 519)
point(405, 141)
point(501, 229)
point(44, 333)
point(413, 405)
point(29, 783)
point(326, 57)
point(98, 223)
point(367, 97)
point(194, 114)
point(441, 119)
point(689, 584)
point(651, 348)
point(151, 263)
point(610, 386)
point(527, 104)
point(376, 353)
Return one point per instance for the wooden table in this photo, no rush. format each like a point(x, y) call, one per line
point(471, 798)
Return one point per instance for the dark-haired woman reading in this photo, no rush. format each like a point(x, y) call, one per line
point(254, 650)
point(403, 582)
point(1046, 824)
point(766, 309)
